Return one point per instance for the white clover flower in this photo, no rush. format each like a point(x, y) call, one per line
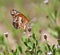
point(45, 1)
point(58, 46)
point(6, 34)
point(49, 53)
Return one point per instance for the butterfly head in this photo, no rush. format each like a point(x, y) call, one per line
point(13, 12)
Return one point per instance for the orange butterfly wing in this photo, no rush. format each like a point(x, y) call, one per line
point(24, 20)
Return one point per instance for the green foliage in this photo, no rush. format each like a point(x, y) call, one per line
point(1, 39)
point(49, 48)
point(32, 45)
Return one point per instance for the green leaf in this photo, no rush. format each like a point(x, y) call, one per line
point(34, 36)
point(48, 47)
point(29, 40)
point(56, 12)
point(53, 46)
point(23, 38)
point(17, 51)
point(20, 48)
point(25, 43)
point(45, 48)
point(1, 39)
point(53, 50)
point(33, 45)
point(39, 51)
point(29, 45)
point(36, 42)
point(14, 53)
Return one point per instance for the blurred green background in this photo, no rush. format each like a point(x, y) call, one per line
point(45, 17)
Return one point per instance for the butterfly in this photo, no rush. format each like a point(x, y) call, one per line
point(19, 20)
